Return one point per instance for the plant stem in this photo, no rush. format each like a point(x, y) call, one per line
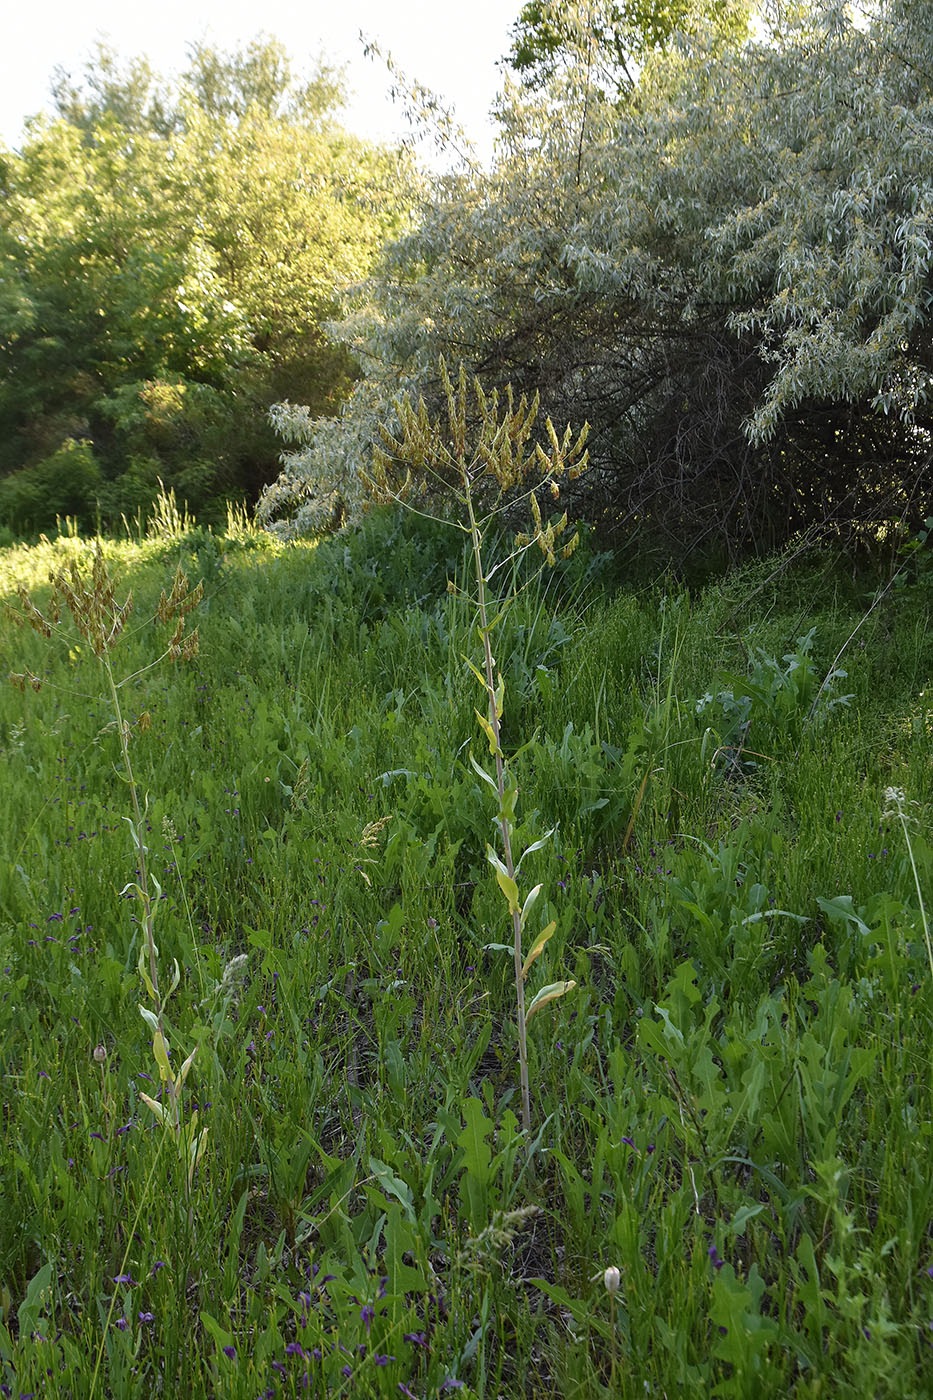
point(143, 885)
point(913, 865)
point(504, 825)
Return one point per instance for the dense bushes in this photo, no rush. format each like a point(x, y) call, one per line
point(168, 263)
point(726, 269)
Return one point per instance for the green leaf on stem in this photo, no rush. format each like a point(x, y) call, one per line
point(488, 731)
point(160, 1050)
point(530, 901)
point(549, 993)
point(535, 846)
point(537, 948)
point(486, 777)
point(506, 883)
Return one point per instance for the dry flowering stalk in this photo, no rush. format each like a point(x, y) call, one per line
point(100, 619)
point(484, 454)
point(371, 834)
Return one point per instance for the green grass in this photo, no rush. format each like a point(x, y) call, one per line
point(743, 1067)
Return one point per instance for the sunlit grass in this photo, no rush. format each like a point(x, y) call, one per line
point(734, 1107)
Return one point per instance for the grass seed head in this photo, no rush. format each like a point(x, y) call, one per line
point(372, 832)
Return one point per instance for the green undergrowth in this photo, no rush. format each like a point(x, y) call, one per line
point(733, 1107)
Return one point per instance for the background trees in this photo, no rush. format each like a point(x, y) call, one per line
point(724, 266)
point(705, 231)
point(169, 259)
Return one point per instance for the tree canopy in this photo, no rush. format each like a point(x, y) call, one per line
point(725, 269)
point(611, 39)
point(170, 257)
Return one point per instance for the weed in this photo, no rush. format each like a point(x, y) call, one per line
point(485, 465)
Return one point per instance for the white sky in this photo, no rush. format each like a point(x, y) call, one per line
point(448, 47)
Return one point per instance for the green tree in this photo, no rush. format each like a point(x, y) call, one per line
point(170, 262)
point(610, 35)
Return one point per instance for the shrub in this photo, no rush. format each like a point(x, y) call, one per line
point(67, 483)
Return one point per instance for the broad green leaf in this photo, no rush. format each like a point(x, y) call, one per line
point(221, 1337)
point(150, 1018)
point(160, 1050)
point(401, 1240)
point(529, 904)
point(183, 1072)
point(842, 910)
point(477, 673)
point(38, 1294)
point(392, 1185)
point(157, 1108)
point(196, 1151)
point(549, 993)
point(500, 697)
point(537, 947)
point(488, 731)
point(477, 1153)
point(142, 964)
point(506, 884)
point(509, 888)
point(535, 846)
point(486, 777)
point(494, 859)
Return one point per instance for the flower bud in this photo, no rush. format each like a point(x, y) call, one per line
point(100, 1053)
point(612, 1278)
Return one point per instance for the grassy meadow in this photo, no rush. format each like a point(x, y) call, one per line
point(733, 1108)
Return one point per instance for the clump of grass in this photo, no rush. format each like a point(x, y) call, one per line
point(737, 1095)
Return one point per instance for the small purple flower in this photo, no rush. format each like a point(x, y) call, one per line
point(451, 1384)
point(628, 1141)
point(121, 1323)
point(147, 1317)
point(417, 1339)
point(346, 1371)
point(382, 1360)
point(367, 1314)
point(405, 1391)
point(159, 1264)
point(125, 1278)
point(230, 1352)
point(714, 1258)
point(296, 1349)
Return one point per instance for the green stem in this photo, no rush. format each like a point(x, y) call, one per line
point(143, 886)
point(477, 541)
point(923, 912)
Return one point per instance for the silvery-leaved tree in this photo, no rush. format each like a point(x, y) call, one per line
point(727, 269)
